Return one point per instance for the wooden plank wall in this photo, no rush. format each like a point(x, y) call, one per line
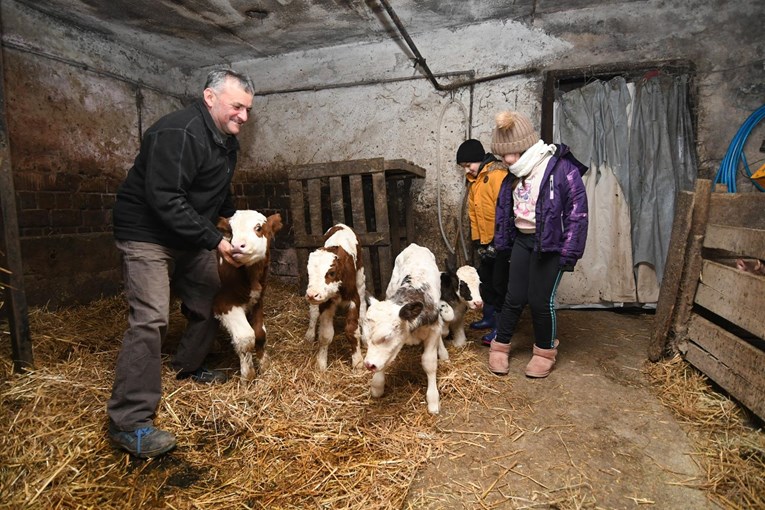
point(716, 318)
point(374, 216)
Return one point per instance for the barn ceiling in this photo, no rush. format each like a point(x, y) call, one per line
point(198, 33)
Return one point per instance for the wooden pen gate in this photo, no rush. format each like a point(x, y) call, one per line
point(709, 311)
point(372, 196)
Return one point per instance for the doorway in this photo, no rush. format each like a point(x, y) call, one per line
point(633, 127)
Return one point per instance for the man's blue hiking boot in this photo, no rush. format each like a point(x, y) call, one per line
point(204, 375)
point(143, 443)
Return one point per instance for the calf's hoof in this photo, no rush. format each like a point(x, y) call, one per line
point(264, 363)
point(357, 362)
point(248, 373)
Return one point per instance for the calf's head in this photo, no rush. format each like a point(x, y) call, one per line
point(469, 287)
point(250, 234)
point(324, 276)
point(386, 328)
point(461, 284)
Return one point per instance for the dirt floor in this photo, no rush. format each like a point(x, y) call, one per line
point(590, 435)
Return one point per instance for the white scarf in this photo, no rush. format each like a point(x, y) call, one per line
point(531, 158)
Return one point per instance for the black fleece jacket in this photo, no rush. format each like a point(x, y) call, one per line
point(180, 183)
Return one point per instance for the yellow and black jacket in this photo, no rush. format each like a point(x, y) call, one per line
point(482, 198)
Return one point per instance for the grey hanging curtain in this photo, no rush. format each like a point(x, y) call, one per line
point(661, 164)
point(593, 120)
point(637, 135)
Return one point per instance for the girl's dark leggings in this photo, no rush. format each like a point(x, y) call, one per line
point(533, 278)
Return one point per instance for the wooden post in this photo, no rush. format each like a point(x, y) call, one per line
point(693, 262)
point(13, 282)
point(670, 286)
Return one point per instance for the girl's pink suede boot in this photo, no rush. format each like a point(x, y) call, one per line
point(542, 361)
point(498, 358)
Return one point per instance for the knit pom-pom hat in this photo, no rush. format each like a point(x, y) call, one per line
point(512, 134)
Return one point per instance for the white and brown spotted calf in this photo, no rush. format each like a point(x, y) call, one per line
point(410, 315)
point(239, 303)
point(459, 289)
point(336, 278)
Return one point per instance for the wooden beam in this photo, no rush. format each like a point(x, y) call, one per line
point(16, 306)
point(379, 190)
point(314, 207)
point(408, 215)
point(734, 295)
point(313, 241)
point(297, 204)
point(402, 167)
point(357, 204)
point(738, 210)
point(670, 285)
point(739, 241)
point(336, 168)
point(729, 361)
point(336, 200)
point(693, 261)
point(369, 273)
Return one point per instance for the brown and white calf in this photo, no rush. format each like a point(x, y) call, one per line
point(460, 290)
point(239, 302)
point(410, 315)
point(336, 278)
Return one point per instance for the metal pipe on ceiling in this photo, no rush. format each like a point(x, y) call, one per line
point(353, 84)
point(419, 60)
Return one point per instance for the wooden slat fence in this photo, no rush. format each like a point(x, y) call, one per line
point(709, 311)
point(372, 196)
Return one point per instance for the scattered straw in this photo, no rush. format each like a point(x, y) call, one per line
point(297, 438)
point(730, 451)
point(294, 438)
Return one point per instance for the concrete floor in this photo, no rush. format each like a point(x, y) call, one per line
point(591, 435)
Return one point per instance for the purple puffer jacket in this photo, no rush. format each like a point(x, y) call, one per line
point(561, 211)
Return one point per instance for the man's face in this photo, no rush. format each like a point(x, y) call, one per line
point(229, 107)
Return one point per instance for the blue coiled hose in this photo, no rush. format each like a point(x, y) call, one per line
point(726, 174)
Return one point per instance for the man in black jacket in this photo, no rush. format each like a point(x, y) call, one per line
point(165, 220)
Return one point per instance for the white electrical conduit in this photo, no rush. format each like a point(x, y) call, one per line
point(438, 180)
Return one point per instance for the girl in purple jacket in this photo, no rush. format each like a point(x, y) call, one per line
point(542, 217)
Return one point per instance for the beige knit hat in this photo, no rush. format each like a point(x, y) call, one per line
point(513, 133)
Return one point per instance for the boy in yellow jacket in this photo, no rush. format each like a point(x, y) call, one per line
point(485, 174)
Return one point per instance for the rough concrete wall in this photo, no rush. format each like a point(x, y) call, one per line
point(73, 135)
point(33, 32)
point(722, 38)
point(361, 105)
point(311, 112)
point(403, 120)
